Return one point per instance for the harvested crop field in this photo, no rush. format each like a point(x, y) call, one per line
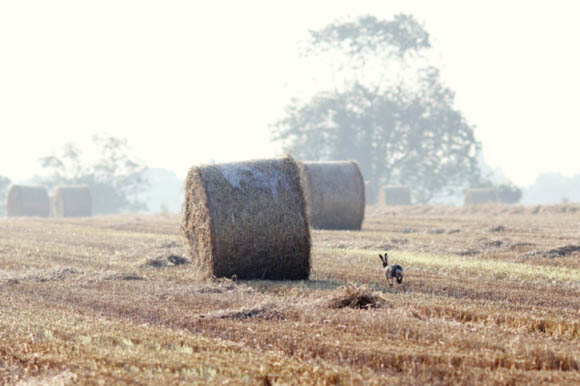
point(491, 295)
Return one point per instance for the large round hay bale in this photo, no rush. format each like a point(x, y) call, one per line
point(27, 201)
point(72, 201)
point(395, 195)
point(335, 194)
point(480, 196)
point(248, 220)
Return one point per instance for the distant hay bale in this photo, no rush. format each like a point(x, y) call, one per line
point(335, 194)
point(27, 201)
point(480, 196)
point(72, 201)
point(395, 195)
point(371, 194)
point(248, 220)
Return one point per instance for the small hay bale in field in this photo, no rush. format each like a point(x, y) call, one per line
point(248, 220)
point(27, 201)
point(335, 194)
point(480, 196)
point(395, 195)
point(72, 201)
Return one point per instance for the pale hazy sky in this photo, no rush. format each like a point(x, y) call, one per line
point(186, 82)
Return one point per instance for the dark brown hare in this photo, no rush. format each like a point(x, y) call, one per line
point(391, 270)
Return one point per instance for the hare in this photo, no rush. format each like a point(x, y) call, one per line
point(391, 271)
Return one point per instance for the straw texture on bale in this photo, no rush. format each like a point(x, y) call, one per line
point(72, 201)
point(335, 194)
point(248, 220)
point(395, 195)
point(27, 201)
point(480, 196)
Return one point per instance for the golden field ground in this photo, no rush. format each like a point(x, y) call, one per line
point(488, 298)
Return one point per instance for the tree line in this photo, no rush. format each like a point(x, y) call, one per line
point(389, 110)
point(116, 179)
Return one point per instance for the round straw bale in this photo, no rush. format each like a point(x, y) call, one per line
point(27, 201)
point(395, 195)
point(248, 220)
point(72, 201)
point(335, 194)
point(480, 196)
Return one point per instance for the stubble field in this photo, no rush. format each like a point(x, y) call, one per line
point(491, 295)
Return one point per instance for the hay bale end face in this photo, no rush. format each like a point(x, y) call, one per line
point(335, 194)
point(480, 196)
point(24, 200)
point(395, 195)
point(72, 201)
point(248, 220)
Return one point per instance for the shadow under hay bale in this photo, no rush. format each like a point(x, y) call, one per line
point(480, 196)
point(27, 201)
point(72, 201)
point(335, 194)
point(357, 297)
point(248, 219)
point(395, 195)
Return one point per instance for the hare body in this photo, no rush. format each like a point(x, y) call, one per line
point(392, 271)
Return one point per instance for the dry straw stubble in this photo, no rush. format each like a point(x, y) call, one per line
point(24, 200)
point(248, 220)
point(335, 194)
point(72, 201)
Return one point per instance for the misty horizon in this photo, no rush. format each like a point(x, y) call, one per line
point(189, 85)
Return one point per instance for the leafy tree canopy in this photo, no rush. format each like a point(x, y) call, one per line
point(401, 127)
point(115, 179)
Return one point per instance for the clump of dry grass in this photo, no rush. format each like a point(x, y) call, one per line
point(72, 201)
point(248, 220)
point(354, 296)
point(335, 194)
point(27, 201)
point(395, 195)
